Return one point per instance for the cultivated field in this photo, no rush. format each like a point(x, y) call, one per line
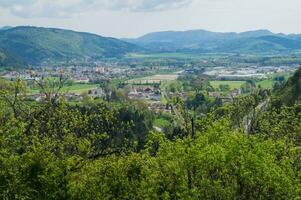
point(75, 88)
point(175, 55)
point(232, 84)
point(154, 79)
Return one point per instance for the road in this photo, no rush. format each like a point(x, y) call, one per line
point(247, 120)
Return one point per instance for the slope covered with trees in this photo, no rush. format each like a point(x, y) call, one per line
point(291, 91)
point(107, 150)
point(34, 45)
point(259, 41)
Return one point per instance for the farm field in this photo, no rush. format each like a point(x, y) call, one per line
point(175, 55)
point(76, 88)
point(232, 84)
point(154, 79)
point(163, 55)
point(268, 83)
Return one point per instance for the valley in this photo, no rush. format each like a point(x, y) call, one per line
point(170, 115)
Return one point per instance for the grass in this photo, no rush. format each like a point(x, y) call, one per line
point(268, 83)
point(161, 122)
point(155, 78)
point(174, 55)
point(163, 55)
point(76, 88)
point(232, 84)
point(79, 88)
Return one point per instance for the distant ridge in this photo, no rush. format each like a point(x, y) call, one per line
point(258, 41)
point(28, 45)
point(5, 28)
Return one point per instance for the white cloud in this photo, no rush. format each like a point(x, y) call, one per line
point(131, 18)
point(147, 5)
point(69, 8)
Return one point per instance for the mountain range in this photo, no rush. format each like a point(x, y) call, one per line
point(27, 45)
point(205, 41)
point(5, 28)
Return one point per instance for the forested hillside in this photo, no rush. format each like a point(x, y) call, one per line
point(259, 41)
point(109, 150)
point(291, 92)
point(7, 59)
point(33, 45)
point(25, 45)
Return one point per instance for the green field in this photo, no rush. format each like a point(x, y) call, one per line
point(175, 55)
point(75, 88)
point(154, 79)
point(80, 88)
point(232, 84)
point(163, 55)
point(268, 83)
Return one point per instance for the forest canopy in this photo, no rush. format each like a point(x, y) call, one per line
point(109, 150)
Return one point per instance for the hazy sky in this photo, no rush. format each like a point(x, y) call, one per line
point(131, 18)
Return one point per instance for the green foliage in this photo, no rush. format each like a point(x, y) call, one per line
point(232, 84)
point(195, 83)
point(181, 43)
point(217, 165)
point(283, 122)
point(34, 45)
point(107, 150)
point(291, 92)
point(9, 59)
point(161, 122)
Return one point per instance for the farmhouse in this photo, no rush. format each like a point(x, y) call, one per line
point(96, 93)
point(214, 94)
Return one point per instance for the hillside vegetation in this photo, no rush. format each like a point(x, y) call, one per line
point(26, 45)
point(33, 45)
point(260, 41)
point(291, 92)
point(109, 150)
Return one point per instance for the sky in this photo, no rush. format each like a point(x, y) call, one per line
point(133, 18)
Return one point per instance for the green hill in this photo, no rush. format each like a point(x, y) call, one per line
point(34, 45)
point(259, 41)
point(5, 28)
point(291, 92)
point(7, 59)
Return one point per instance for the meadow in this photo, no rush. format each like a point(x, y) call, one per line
point(269, 83)
point(77, 88)
point(154, 79)
point(163, 55)
point(175, 55)
point(232, 84)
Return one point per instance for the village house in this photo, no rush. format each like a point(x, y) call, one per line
point(158, 107)
point(73, 97)
point(215, 94)
point(82, 80)
point(96, 93)
point(235, 92)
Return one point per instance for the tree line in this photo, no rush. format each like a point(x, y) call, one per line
point(109, 150)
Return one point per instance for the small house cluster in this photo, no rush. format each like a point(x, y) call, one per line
point(220, 95)
point(147, 93)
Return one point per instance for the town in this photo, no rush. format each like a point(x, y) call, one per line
point(142, 83)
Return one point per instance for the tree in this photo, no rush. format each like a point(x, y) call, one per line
point(224, 88)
